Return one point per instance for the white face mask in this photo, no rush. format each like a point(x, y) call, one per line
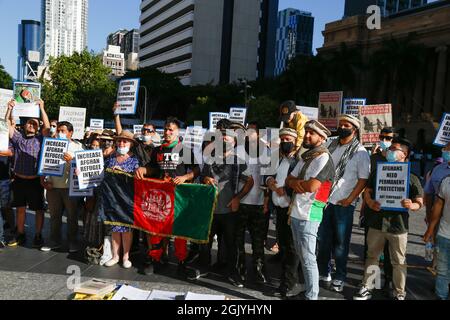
point(147, 138)
point(62, 136)
point(123, 151)
point(52, 130)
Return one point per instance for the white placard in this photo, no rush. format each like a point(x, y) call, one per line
point(238, 115)
point(127, 292)
point(96, 124)
point(74, 187)
point(194, 137)
point(26, 96)
point(77, 117)
point(5, 97)
point(51, 162)
point(4, 135)
point(392, 185)
point(443, 135)
point(215, 117)
point(91, 168)
point(351, 106)
point(165, 295)
point(137, 128)
point(311, 113)
point(200, 296)
point(127, 96)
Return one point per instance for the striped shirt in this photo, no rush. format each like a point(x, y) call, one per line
point(26, 153)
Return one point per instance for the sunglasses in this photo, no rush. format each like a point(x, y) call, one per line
point(388, 138)
point(148, 130)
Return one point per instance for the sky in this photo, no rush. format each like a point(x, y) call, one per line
point(107, 16)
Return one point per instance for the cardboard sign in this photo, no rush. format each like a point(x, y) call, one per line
point(373, 119)
point(4, 135)
point(215, 117)
point(137, 128)
point(392, 185)
point(96, 124)
point(330, 104)
point(351, 106)
point(194, 137)
point(443, 135)
point(127, 96)
point(91, 168)
point(5, 97)
point(74, 188)
point(311, 113)
point(238, 115)
point(76, 116)
point(51, 162)
point(26, 96)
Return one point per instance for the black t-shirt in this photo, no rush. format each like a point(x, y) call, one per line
point(143, 153)
point(374, 159)
point(4, 168)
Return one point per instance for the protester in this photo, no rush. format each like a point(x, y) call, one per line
point(5, 191)
point(58, 197)
point(352, 166)
point(123, 160)
point(107, 142)
point(53, 126)
point(388, 225)
point(26, 188)
point(289, 286)
point(292, 118)
point(439, 221)
point(378, 153)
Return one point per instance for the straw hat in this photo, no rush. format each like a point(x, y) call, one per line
point(126, 135)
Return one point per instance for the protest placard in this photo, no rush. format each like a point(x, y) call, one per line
point(4, 135)
point(5, 97)
point(392, 185)
point(351, 106)
point(443, 135)
point(26, 96)
point(330, 104)
point(127, 96)
point(373, 119)
point(96, 124)
point(51, 162)
point(311, 113)
point(74, 188)
point(215, 117)
point(91, 168)
point(194, 137)
point(137, 128)
point(238, 115)
point(77, 117)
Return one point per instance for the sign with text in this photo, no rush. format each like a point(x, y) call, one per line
point(351, 106)
point(238, 115)
point(311, 113)
point(51, 162)
point(194, 137)
point(5, 97)
point(392, 184)
point(90, 167)
point(373, 119)
point(4, 135)
point(96, 124)
point(26, 96)
point(137, 128)
point(330, 104)
point(443, 135)
point(215, 117)
point(77, 117)
point(127, 96)
point(74, 188)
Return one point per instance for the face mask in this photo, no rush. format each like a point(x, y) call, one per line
point(123, 151)
point(147, 138)
point(446, 156)
point(287, 147)
point(384, 145)
point(344, 133)
point(52, 130)
point(391, 156)
point(62, 136)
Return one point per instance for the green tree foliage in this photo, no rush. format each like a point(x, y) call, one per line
point(6, 81)
point(80, 80)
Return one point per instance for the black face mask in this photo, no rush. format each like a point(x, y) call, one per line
point(344, 133)
point(287, 147)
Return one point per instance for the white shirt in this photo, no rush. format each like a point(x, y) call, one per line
point(444, 193)
point(256, 194)
point(357, 168)
point(282, 173)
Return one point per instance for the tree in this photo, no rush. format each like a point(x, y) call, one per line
point(6, 81)
point(80, 80)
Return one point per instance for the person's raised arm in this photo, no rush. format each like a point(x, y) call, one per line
point(9, 120)
point(46, 126)
point(117, 123)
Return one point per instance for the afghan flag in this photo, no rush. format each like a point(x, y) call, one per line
point(158, 207)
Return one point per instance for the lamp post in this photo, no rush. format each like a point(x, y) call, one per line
point(145, 103)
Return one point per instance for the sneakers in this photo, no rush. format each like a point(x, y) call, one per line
point(50, 247)
point(399, 297)
point(188, 272)
point(242, 272)
point(18, 240)
point(127, 264)
point(337, 285)
point(325, 278)
point(38, 241)
point(111, 262)
point(235, 281)
point(363, 294)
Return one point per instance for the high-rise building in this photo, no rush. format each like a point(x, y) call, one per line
point(206, 41)
point(294, 37)
point(114, 59)
point(64, 27)
point(388, 7)
point(29, 43)
point(130, 42)
point(116, 38)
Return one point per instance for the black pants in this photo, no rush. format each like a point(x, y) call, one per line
point(290, 259)
point(251, 217)
point(387, 265)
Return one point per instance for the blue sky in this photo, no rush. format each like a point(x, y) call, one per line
point(106, 16)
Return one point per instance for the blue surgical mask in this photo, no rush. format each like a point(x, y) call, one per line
point(446, 156)
point(62, 136)
point(123, 151)
point(52, 130)
point(384, 145)
point(391, 156)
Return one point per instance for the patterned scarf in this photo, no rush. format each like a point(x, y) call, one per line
point(309, 156)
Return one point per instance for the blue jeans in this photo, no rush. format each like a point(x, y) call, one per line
point(305, 238)
point(443, 267)
point(334, 237)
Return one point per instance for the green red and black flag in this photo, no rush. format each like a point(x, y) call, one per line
point(158, 207)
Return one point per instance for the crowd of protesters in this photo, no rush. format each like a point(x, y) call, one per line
point(313, 193)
